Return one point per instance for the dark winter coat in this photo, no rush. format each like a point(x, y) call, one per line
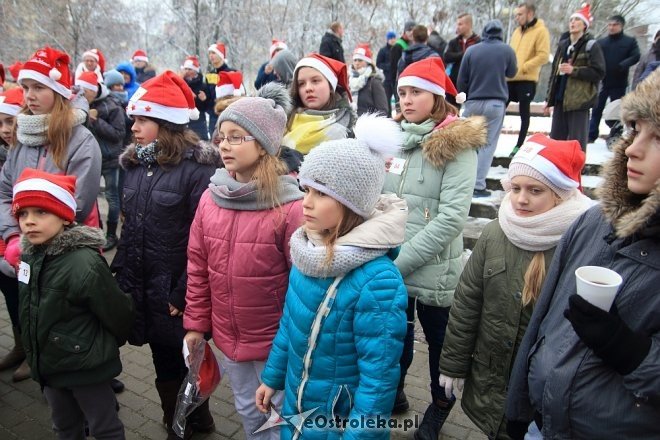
point(383, 62)
point(653, 56)
point(414, 53)
point(437, 43)
point(621, 52)
point(121, 100)
point(581, 92)
point(109, 129)
point(331, 47)
point(197, 84)
point(74, 318)
point(263, 77)
point(395, 55)
point(159, 206)
point(144, 74)
point(371, 98)
point(454, 54)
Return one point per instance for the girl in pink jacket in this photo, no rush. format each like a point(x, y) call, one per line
point(238, 253)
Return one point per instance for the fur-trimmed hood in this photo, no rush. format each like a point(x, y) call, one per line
point(446, 142)
point(75, 237)
point(631, 213)
point(203, 153)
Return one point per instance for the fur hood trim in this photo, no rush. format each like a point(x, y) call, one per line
point(446, 143)
point(203, 153)
point(71, 238)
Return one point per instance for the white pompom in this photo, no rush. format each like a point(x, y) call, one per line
point(460, 98)
point(194, 114)
point(55, 74)
point(381, 134)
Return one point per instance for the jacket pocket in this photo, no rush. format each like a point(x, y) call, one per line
point(166, 198)
point(493, 267)
point(128, 196)
point(342, 402)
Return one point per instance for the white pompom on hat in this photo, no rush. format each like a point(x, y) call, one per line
point(49, 67)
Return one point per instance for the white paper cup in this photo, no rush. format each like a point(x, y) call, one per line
point(598, 285)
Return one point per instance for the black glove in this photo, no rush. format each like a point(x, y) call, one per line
point(607, 335)
point(516, 429)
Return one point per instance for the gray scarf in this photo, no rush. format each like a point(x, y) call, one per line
point(32, 129)
point(230, 194)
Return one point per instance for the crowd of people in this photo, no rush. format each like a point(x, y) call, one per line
point(306, 229)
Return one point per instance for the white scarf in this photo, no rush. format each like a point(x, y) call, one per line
point(31, 130)
point(357, 83)
point(543, 231)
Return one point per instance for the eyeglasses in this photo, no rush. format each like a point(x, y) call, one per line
point(234, 140)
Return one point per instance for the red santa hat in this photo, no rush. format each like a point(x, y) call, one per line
point(140, 55)
point(11, 101)
point(14, 69)
point(219, 49)
point(332, 70)
point(557, 164)
point(428, 74)
point(230, 84)
point(166, 97)
point(584, 14)
point(88, 80)
point(363, 52)
point(54, 193)
point(192, 63)
point(277, 45)
point(49, 67)
point(98, 56)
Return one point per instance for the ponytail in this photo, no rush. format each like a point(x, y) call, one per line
point(534, 277)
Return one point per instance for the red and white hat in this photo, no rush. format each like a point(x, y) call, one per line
point(363, 52)
point(14, 69)
point(277, 45)
point(557, 164)
point(230, 84)
point(88, 80)
point(166, 97)
point(97, 55)
point(584, 14)
point(428, 74)
point(192, 63)
point(140, 55)
point(54, 193)
point(11, 101)
point(332, 70)
point(219, 49)
point(50, 67)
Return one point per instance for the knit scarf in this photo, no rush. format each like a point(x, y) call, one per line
point(32, 129)
point(543, 231)
point(228, 193)
point(414, 134)
point(147, 154)
point(359, 79)
point(311, 127)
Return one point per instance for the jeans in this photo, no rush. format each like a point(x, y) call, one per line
point(597, 112)
point(493, 110)
point(111, 178)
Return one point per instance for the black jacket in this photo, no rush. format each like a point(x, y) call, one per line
point(371, 98)
point(437, 43)
point(621, 52)
point(197, 84)
point(383, 62)
point(454, 54)
point(414, 53)
point(331, 47)
point(109, 129)
point(395, 55)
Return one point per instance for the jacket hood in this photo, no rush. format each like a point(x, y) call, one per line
point(493, 30)
point(203, 153)
point(446, 143)
point(105, 92)
point(284, 63)
point(385, 228)
point(75, 237)
point(128, 68)
point(632, 213)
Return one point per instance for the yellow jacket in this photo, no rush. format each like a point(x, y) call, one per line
point(532, 48)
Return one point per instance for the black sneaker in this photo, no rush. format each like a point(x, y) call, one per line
point(401, 404)
point(111, 242)
point(434, 417)
point(117, 386)
point(479, 193)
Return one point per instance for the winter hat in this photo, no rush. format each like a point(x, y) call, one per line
point(191, 63)
point(557, 164)
point(113, 77)
point(166, 97)
point(334, 71)
point(50, 67)
point(219, 49)
point(352, 171)
point(11, 101)
point(363, 52)
point(277, 45)
point(98, 56)
point(14, 69)
point(428, 74)
point(584, 14)
point(51, 192)
point(230, 84)
point(390, 34)
point(263, 116)
point(89, 81)
point(140, 55)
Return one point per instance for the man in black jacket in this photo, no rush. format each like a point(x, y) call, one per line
point(383, 63)
point(397, 50)
point(331, 42)
point(465, 37)
point(621, 53)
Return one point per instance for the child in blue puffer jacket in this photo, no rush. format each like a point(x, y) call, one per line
point(336, 354)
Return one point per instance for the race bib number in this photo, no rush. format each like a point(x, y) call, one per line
point(24, 272)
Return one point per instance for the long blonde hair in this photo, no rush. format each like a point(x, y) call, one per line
point(266, 176)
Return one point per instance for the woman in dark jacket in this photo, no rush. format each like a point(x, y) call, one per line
point(167, 170)
point(366, 83)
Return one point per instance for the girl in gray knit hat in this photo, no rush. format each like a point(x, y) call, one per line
point(239, 260)
point(337, 350)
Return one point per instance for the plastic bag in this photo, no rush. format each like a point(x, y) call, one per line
point(202, 379)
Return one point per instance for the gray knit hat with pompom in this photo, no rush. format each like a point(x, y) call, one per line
point(263, 116)
point(352, 171)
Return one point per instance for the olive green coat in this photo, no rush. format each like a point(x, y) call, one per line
point(486, 325)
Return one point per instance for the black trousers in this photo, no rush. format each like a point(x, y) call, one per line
point(523, 93)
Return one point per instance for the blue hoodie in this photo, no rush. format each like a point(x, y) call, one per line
point(132, 86)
